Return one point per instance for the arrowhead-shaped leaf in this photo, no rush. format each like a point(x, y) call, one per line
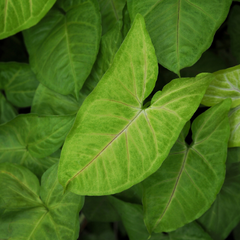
point(18, 82)
point(181, 30)
point(224, 214)
point(49, 102)
point(132, 217)
point(39, 212)
point(234, 120)
point(116, 142)
point(28, 139)
point(187, 183)
point(63, 46)
point(225, 84)
point(18, 15)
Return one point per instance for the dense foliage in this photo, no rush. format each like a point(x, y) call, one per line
point(120, 119)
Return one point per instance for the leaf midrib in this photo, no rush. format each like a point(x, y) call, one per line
point(174, 189)
point(119, 134)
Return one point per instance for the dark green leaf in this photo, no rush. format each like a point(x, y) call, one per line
point(63, 46)
point(29, 140)
point(181, 30)
point(234, 119)
point(187, 183)
point(7, 111)
point(224, 214)
point(19, 83)
point(115, 142)
point(56, 218)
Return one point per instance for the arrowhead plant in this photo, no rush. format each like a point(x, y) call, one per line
point(117, 121)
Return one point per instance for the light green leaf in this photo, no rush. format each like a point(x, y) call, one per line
point(7, 111)
point(18, 15)
point(225, 84)
point(56, 218)
point(19, 83)
point(63, 46)
point(115, 142)
point(181, 30)
point(132, 217)
point(29, 139)
point(49, 102)
point(99, 209)
point(111, 11)
point(234, 119)
point(234, 31)
point(190, 178)
point(224, 214)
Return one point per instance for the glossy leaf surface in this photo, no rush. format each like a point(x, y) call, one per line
point(19, 83)
point(111, 11)
point(56, 218)
point(132, 217)
point(190, 178)
point(234, 119)
point(7, 111)
point(18, 15)
point(224, 214)
point(225, 84)
point(181, 30)
point(65, 46)
point(29, 140)
point(115, 130)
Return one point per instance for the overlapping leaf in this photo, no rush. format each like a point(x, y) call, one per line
point(111, 11)
point(181, 30)
point(234, 119)
point(18, 15)
point(224, 214)
point(63, 46)
point(115, 142)
point(132, 217)
point(7, 111)
point(225, 84)
point(29, 140)
point(190, 178)
point(39, 212)
point(18, 82)
point(49, 102)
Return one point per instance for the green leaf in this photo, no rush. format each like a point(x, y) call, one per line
point(7, 111)
point(132, 217)
point(57, 215)
point(29, 139)
point(19, 188)
point(63, 46)
point(19, 83)
point(19, 15)
point(111, 11)
point(99, 209)
point(234, 31)
point(224, 214)
point(233, 155)
point(234, 119)
point(49, 102)
point(181, 30)
point(115, 142)
point(225, 84)
point(190, 178)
